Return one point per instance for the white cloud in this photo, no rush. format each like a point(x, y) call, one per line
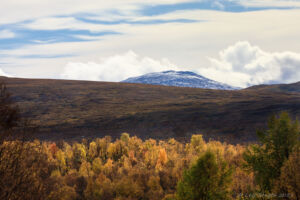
point(2, 73)
point(115, 68)
point(5, 34)
point(244, 65)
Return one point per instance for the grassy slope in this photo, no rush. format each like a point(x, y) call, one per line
point(72, 109)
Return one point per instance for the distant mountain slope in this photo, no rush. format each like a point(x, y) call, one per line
point(179, 79)
point(70, 110)
point(293, 87)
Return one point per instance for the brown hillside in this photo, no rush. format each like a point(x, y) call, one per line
point(75, 109)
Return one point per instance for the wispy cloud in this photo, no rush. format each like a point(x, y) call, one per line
point(32, 9)
point(287, 4)
point(6, 34)
point(220, 5)
point(23, 36)
point(37, 56)
point(69, 29)
point(136, 22)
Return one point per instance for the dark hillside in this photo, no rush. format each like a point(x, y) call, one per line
point(74, 109)
point(294, 87)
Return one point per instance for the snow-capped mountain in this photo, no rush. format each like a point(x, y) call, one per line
point(180, 79)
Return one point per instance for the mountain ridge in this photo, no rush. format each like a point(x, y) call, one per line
point(179, 79)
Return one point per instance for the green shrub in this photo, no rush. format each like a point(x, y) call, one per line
point(277, 143)
point(206, 179)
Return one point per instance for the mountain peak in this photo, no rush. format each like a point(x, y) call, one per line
point(179, 79)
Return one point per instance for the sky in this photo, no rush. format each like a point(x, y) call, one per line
point(238, 42)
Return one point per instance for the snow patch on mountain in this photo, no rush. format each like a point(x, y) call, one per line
point(179, 79)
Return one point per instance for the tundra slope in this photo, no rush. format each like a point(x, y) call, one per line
point(71, 110)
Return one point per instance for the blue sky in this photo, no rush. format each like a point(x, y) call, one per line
point(225, 6)
point(44, 39)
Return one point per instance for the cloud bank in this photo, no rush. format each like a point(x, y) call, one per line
point(115, 68)
point(2, 73)
point(244, 65)
point(241, 64)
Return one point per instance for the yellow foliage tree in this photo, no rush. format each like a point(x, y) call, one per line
point(93, 152)
point(162, 159)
